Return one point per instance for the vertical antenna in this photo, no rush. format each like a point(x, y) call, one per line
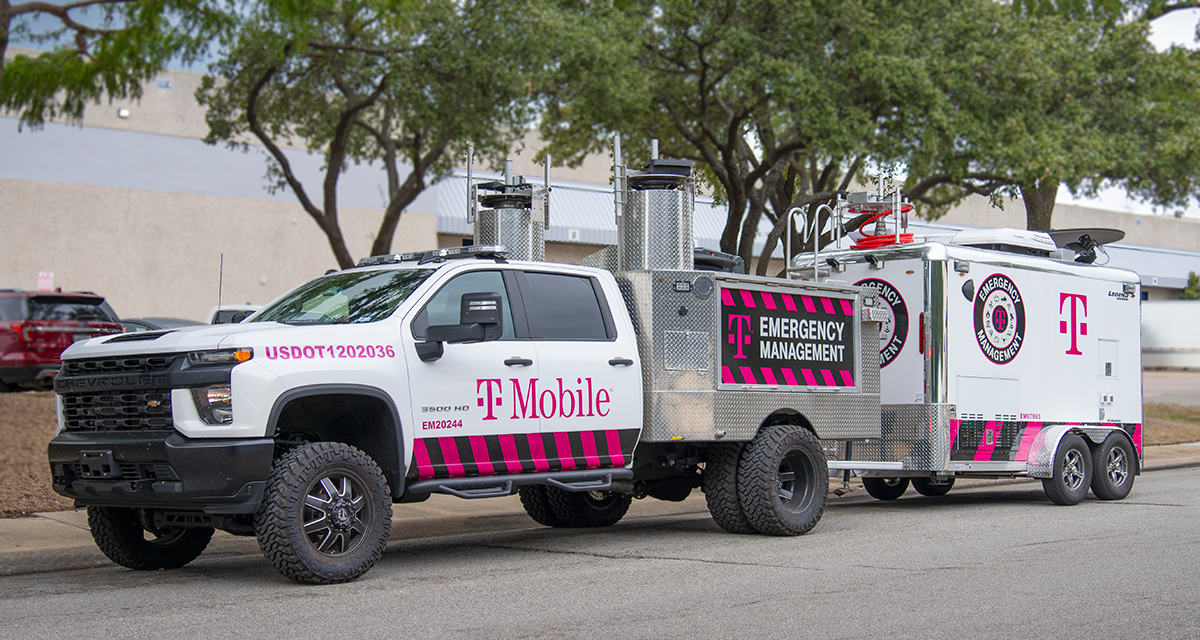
point(470, 185)
point(618, 179)
point(508, 174)
point(220, 280)
point(654, 149)
point(546, 184)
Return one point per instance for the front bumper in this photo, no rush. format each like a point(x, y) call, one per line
point(161, 470)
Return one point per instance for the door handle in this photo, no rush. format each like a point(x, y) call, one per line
point(518, 362)
point(618, 362)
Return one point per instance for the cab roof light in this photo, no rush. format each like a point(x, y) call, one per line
point(496, 251)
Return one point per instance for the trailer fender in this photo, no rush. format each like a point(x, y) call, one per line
point(1045, 444)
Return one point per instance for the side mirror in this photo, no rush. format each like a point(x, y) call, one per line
point(481, 319)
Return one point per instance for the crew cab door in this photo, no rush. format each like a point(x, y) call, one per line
point(588, 392)
point(463, 421)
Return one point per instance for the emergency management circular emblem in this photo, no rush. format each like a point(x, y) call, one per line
point(894, 330)
point(999, 319)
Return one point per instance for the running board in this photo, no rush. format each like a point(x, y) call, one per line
point(498, 486)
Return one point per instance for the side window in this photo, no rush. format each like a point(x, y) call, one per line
point(566, 306)
point(446, 305)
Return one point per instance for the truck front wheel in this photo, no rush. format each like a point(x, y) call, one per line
point(783, 481)
point(1072, 472)
point(587, 508)
point(720, 487)
point(326, 514)
point(131, 540)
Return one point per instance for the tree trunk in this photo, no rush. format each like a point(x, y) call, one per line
point(1039, 205)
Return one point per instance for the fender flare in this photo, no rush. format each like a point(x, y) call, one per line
point(1045, 445)
point(347, 389)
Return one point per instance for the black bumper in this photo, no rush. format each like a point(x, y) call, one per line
point(41, 375)
point(161, 470)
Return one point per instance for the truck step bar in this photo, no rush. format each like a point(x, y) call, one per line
point(497, 486)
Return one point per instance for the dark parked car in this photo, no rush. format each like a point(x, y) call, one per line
point(35, 327)
point(156, 324)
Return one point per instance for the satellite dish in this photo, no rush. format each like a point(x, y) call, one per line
point(1084, 241)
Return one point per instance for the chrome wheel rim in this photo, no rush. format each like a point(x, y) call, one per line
point(1073, 469)
point(1117, 467)
point(337, 515)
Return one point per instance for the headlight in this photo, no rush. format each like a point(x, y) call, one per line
point(214, 403)
point(221, 356)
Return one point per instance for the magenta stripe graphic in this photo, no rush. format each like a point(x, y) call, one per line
point(984, 452)
point(562, 441)
point(508, 449)
point(846, 378)
point(589, 449)
point(809, 378)
point(747, 298)
point(847, 308)
point(808, 304)
point(614, 448)
point(828, 375)
point(726, 298)
point(748, 375)
point(768, 300)
point(450, 454)
point(954, 425)
point(727, 376)
point(1031, 431)
point(424, 465)
point(479, 451)
point(1137, 437)
point(768, 375)
point(790, 377)
point(788, 302)
point(828, 305)
point(537, 451)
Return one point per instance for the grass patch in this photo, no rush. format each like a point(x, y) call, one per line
point(1170, 424)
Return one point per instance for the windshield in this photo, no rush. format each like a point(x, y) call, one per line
point(347, 297)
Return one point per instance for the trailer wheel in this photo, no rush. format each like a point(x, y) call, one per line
point(719, 483)
point(1072, 472)
point(927, 487)
point(537, 505)
point(587, 508)
point(1112, 468)
point(783, 481)
point(126, 539)
point(886, 488)
point(326, 514)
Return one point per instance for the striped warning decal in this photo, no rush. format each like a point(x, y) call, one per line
point(784, 339)
point(504, 454)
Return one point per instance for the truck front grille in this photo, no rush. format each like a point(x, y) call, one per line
point(126, 364)
point(118, 411)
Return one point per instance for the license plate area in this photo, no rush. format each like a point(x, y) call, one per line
point(97, 464)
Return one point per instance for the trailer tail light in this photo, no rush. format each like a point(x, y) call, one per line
point(921, 332)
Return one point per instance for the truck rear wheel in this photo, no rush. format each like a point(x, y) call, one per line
point(326, 514)
point(927, 487)
point(719, 481)
point(537, 505)
point(886, 488)
point(1072, 472)
point(783, 481)
point(126, 539)
point(587, 508)
point(1112, 468)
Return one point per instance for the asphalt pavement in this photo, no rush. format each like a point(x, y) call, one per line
point(61, 541)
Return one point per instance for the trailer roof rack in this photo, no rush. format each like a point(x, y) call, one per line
point(484, 251)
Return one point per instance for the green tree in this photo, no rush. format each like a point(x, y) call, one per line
point(404, 83)
point(1192, 290)
point(99, 48)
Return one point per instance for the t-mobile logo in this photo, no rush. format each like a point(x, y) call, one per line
point(1077, 328)
point(739, 333)
point(491, 397)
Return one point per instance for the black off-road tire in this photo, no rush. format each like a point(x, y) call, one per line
point(719, 482)
point(588, 508)
point(927, 487)
point(537, 505)
point(120, 535)
point(783, 481)
point(1113, 464)
point(885, 488)
point(1072, 472)
point(326, 514)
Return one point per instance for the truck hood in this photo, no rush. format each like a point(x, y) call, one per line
point(179, 340)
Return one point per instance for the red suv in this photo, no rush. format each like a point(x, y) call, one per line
point(35, 327)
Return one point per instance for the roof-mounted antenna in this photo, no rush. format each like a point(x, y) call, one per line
point(618, 179)
point(472, 193)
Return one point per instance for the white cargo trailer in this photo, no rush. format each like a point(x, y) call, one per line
point(1003, 356)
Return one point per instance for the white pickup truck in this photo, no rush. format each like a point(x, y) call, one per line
point(460, 372)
